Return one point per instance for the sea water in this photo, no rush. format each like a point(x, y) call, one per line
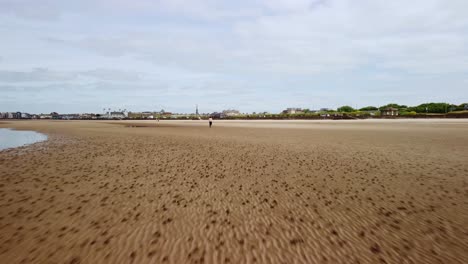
point(14, 138)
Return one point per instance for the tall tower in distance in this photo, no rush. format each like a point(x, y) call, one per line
point(196, 110)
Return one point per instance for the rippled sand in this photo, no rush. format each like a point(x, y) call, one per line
point(241, 192)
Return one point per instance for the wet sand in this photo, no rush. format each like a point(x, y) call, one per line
point(241, 192)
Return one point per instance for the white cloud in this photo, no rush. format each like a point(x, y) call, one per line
point(332, 36)
point(35, 75)
point(215, 47)
point(43, 10)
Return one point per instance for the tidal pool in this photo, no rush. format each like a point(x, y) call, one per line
point(14, 138)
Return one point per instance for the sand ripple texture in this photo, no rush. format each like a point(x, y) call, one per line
point(126, 192)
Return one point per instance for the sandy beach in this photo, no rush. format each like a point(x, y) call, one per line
point(387, 191)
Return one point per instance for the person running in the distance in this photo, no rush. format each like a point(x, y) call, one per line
point(210, 121)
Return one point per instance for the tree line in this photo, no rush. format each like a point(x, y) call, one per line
point(438, 108)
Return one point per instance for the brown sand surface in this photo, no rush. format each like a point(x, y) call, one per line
point(241, 192)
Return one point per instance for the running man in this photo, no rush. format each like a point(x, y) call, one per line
point(210, 120)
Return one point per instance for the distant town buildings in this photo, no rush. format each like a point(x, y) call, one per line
point(6, 115)
point(53, 115)
point(117, 115)
point(216, 115)
point(140, 115)
point(390, 110)
point(230, 113)
point(11, 115)
point(17, 115)
point(149, 114)
point(45, 116)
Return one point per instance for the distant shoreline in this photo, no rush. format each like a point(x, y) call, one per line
point(337, 118)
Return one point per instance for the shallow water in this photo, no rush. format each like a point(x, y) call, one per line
point(14, 138)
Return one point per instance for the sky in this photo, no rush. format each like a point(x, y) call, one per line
point(251, 55)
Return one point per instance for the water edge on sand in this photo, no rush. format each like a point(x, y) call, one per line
point(15, 138)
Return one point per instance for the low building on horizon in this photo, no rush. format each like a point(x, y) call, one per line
point(293, 110)
point(215, 115)
point(55, 115)
point(117, 115)
point(17, 115)
point(230, 113)
point(45, 116)
point(389, 111)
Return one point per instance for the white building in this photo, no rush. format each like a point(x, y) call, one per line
point(117, 115)
point(293, 110)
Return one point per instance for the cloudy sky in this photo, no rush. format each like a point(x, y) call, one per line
point(252, 55)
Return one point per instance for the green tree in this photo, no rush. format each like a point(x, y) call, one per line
point(369, 108)
point(462, 107)
point(431, 108)
point(346, 109)
point(393, 105)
